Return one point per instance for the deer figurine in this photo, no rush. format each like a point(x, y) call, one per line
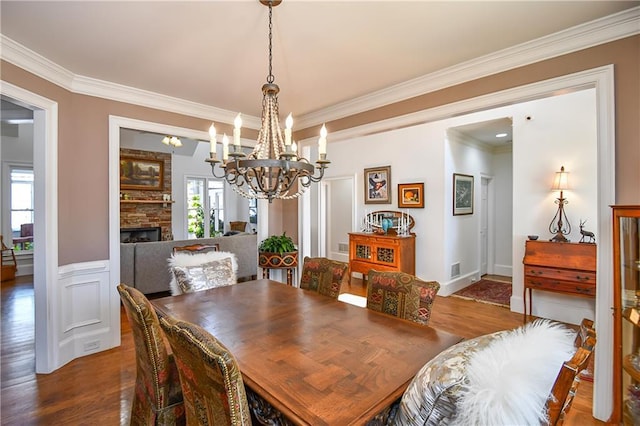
point(586, 234)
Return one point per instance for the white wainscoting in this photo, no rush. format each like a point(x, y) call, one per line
point(86, 323)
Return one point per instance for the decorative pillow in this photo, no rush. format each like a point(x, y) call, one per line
point(217, 273)
point(502, 378)
point(186, 259)
point(509, 381)
point(431, 397)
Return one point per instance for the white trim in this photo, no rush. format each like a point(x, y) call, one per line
point(45, 254)
point(600, 31)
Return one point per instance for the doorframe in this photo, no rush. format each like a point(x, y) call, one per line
point(47, 305)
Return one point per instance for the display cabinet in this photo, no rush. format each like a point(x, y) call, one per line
point(626, 309)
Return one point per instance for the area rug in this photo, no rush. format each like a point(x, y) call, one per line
point(487, 291)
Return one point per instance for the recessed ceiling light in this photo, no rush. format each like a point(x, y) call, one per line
point(501, 135)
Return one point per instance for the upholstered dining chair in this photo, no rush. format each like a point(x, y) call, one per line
point(212, 384)
point(324, 276)
point(157, 398)
point(402, 295)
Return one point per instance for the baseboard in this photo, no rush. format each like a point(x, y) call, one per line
point(505, 270)
point(448, 288)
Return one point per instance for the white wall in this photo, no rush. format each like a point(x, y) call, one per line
point(561, 132)
point(503, 218)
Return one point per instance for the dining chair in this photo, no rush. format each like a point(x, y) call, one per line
point(402, 295)
point(214, 393)
point(324, 276)
point(196, 248)
point(566, 383)
point(158, 397)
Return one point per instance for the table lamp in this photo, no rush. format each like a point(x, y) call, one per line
point(560, 225)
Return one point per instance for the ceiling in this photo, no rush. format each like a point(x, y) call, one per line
point(324, 52)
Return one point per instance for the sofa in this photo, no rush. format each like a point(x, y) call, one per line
point(144, 265)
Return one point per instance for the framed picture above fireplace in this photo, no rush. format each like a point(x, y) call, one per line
point(136, 173)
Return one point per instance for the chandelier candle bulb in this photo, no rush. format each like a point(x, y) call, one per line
point(294, 148)
point(236, 130)
point(287, 130)
point(322, 142)
point(225, 147)
point(212, 140)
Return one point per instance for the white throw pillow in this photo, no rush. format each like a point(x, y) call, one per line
point(186, 259)
point(509, 381)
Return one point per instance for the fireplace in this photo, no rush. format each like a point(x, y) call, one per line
point(140, 235)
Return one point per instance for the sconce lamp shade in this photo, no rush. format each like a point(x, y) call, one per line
point(561, 181)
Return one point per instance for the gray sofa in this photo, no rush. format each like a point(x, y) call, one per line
point(144, 265)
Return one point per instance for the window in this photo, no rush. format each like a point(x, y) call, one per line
point(22, 203)
point(200, 201)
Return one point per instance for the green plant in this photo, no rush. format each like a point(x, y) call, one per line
point(277, 244)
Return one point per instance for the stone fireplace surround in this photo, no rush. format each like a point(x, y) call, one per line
point(147, 208)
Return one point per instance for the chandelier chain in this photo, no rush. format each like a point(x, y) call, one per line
point(270, 77)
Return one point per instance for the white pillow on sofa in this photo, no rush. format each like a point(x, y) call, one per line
point(187, 260)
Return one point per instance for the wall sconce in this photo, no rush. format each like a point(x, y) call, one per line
point(560, 225)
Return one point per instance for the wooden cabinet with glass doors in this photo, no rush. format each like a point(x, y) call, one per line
point(626, 296)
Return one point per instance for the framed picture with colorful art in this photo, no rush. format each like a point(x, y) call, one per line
point(377, 185)
point(411, 195)
point(462, 194)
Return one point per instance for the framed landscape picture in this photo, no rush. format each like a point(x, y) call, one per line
point(377, 185)
point(462, 194)
point(411, 195)
point(136, 173)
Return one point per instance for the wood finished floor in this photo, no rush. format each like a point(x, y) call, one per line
point(97, 389)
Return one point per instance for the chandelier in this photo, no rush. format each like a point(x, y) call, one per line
point(273, 169)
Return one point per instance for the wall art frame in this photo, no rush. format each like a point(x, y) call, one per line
point(377, 185)
point(411, 195)
point(143, 174)
point(462, 194)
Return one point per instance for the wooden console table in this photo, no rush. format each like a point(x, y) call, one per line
point(567, 268)
point(382, 253)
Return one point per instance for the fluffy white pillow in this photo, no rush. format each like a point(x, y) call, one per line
point(509, 380)
point(186, 259)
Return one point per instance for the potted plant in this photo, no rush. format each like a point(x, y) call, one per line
point(277, 251)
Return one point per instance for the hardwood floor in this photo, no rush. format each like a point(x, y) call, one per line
point(97, 389)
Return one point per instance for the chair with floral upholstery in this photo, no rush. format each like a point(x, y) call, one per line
point(158, 395)
point(402, 295)
point(324, 276)
point(212, 385)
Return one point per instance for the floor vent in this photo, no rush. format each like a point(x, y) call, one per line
point(455, 270)
point(343, 247)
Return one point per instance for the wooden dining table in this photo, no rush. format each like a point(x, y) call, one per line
point(316, 360)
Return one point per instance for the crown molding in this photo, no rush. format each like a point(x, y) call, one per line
point(604, 30)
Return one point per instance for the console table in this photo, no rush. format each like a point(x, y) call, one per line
point(382, 253)
point(567, 268)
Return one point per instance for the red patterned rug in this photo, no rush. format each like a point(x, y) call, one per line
point(487, 291)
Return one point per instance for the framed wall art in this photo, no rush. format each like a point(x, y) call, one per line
point(411, 195)
point(462, 194)
point(136, 173)
point(377, 185)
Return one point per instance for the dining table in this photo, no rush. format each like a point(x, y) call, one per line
point(314, 359)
